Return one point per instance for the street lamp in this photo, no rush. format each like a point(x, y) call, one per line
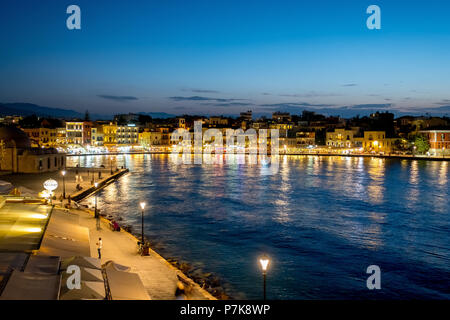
point(64, 183)
point(264, 261)
point(95, 212)
point(142, 204)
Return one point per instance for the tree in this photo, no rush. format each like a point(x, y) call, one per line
point(31, 121)
point(421, 143)
point(87, 117)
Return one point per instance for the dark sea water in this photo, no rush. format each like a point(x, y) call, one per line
point(322, 221)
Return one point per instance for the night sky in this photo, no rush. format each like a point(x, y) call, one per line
point(224, 57)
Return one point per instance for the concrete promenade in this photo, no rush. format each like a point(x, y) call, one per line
point(159, 277)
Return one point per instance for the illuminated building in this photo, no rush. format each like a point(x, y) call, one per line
point(127, 135)
point(109, 134)
point(439, 141)
point(376, 141)
point(340, 138)
point(42, 137)
point(78, 132)
point(97, 136)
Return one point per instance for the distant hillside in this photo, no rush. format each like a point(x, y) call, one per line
point(27, 109)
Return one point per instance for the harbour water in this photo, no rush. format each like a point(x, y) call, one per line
point(321, 220)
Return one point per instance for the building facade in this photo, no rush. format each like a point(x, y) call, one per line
point(42, 137)
point(127, 135)
point(340, 138)
point(376, 141)
point(439, 141)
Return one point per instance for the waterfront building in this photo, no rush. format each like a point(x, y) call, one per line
point(376, 141)
point(439, 141)
point(78, 132)
point(305, 138)
point(61, 136)
point(97, 136)
point(283, 128)
point(127, 135)
point(42, 137)
point(340, 138)
point(18, 156)
point(109, 134)
point(286, 143)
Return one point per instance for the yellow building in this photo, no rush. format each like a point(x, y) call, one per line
point(340, 138)
point(109, 134)
point(42, 137)
point(149, 139)
point(61, 136)
point(376, 141)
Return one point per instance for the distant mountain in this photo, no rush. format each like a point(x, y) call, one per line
point(27, 109)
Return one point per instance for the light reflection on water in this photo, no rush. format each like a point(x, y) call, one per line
point(322, 220)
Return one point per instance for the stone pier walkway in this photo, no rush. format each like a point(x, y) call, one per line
point(158, 276)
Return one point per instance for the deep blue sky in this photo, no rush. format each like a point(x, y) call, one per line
point(223, 57)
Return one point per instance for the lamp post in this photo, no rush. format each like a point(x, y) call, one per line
point(95, 212)
point(64, 183)
point(264, 261)
point(142, 204)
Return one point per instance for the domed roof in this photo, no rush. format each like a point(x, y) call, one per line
point(12, 136)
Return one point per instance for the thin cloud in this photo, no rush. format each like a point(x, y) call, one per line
point(204, 91)
point(200, 98)
point(371, 106)
point(443, 102)
point(295, 104)
point(200, 90)
point(349, 85)
point(117, 98)
point(310, 94)
point(229, 104)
